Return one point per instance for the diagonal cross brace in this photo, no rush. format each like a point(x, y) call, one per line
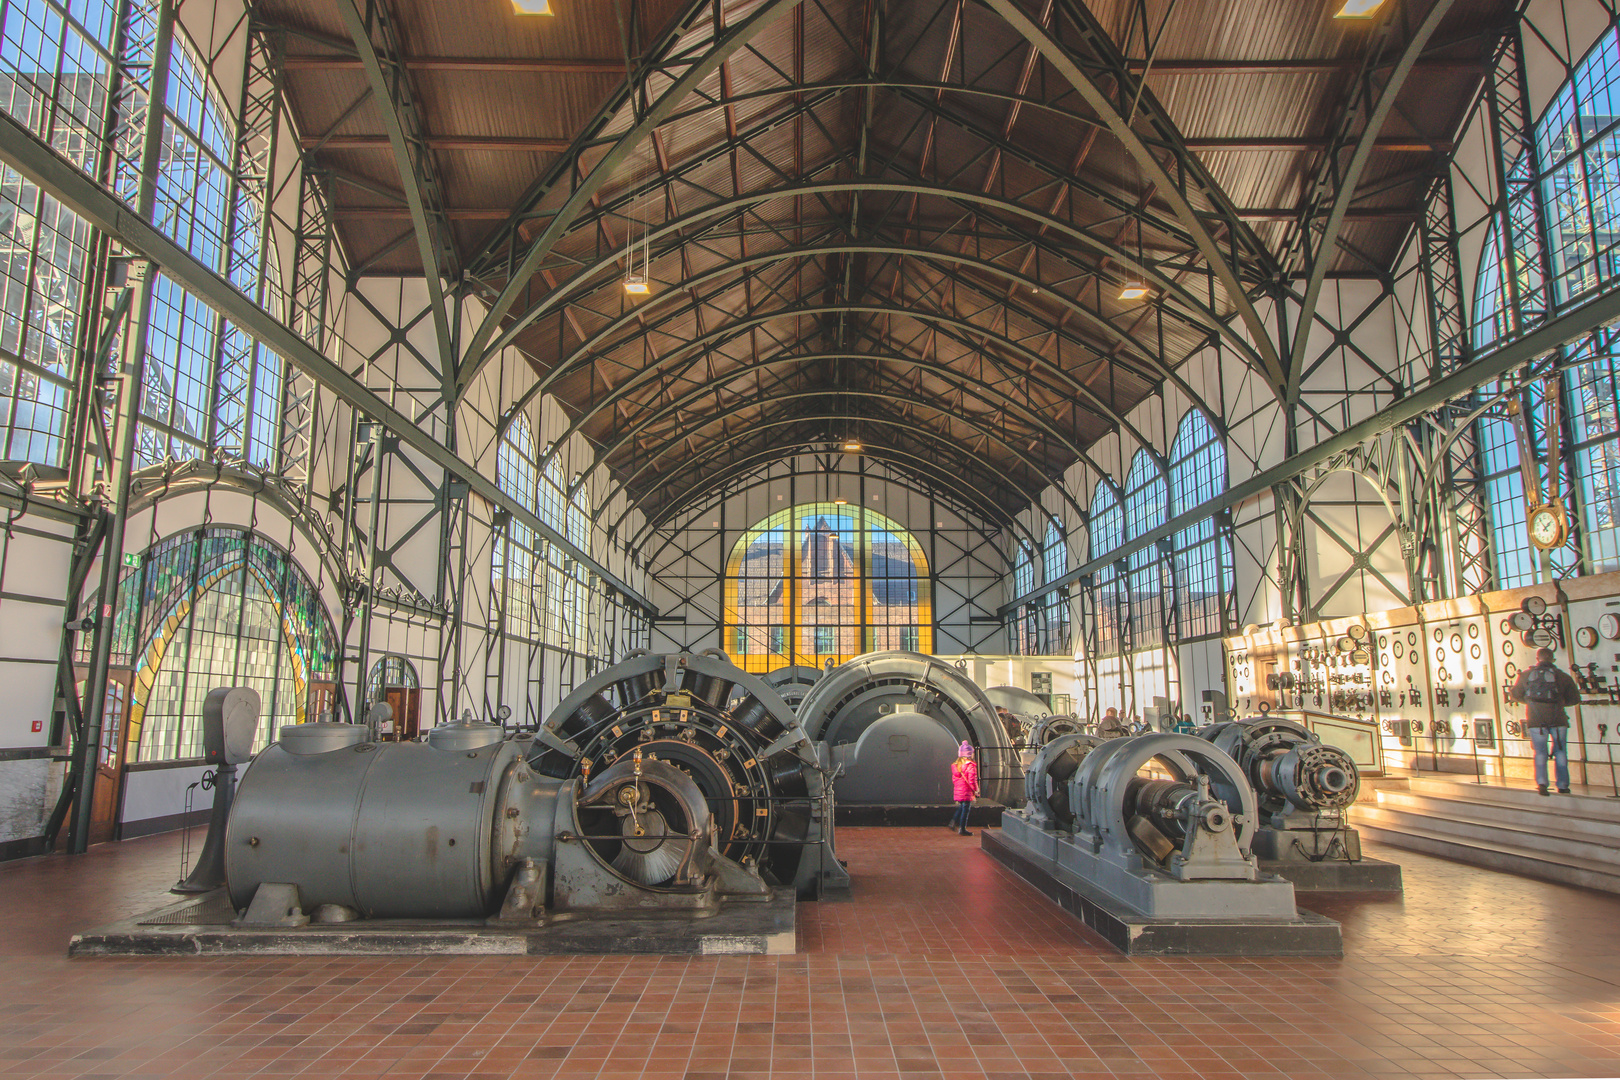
point(40, 163)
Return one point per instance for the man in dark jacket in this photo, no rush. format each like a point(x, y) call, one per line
point(1544, 690)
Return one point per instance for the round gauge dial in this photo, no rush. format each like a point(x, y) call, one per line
point(1439, 634)
point(1535, 605)
point(1609, 626)
point(1357, 632)
point(1523, 621)
point(1587, 637)
point(1541, 638)
point(1456, 643)
point(1473, 630)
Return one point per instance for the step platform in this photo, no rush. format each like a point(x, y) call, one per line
point(1335, 875)
point(1571, 839)
point(201, 926)
point(1307, 934)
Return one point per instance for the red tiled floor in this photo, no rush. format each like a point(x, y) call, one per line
point(943, 966)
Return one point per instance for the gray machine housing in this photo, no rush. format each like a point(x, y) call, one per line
point(886, 719)
point(330, 824)
point(1304, 788)
point(1156, 848)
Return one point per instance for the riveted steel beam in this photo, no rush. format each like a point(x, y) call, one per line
point(1600, 311)
point(66, 183)
point(929, 481)
point(1336, 182)
point(927, 472)
point(864, 419)
point(1154, 172)
point(636, 319)
point(976, 388)
point(413, 158)
point(739, 327)
point(725, 43)
point(673, 234)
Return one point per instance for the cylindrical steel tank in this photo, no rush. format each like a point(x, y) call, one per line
point(392, 830)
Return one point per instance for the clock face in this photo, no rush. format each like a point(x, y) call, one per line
point(1587, 637)
point(1546, 525)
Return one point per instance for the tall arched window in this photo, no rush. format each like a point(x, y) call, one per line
point(208, 385)
point(1028, 633)
point(1203, 553)
point(1146, 498)
point(1107, 533)
point(214, 607)
point(515, 558)
point(1577, 147)
point(1054, 564)
point(825, 581)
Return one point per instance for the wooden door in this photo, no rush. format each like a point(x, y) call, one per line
point(110, 766)
point(407, 706)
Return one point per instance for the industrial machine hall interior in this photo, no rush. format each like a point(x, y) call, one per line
point(860, 539)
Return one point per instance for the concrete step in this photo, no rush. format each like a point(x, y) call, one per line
point(1505, 857)
point(1558, 816)
point(1594, 807)
point(1549, 841)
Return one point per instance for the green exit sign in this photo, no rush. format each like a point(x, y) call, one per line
point(131, 559)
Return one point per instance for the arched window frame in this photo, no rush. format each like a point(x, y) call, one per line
point(1147, 499)
point(1054, 564)
point(1026, 632)
point(1202, 552)
point(763, 636)
point(1107, 532)
point(1579, 195)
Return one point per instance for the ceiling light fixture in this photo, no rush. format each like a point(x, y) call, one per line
point(840, 502)
point(1359, 9)
point(852, 447)
point(532, 7)
point(636, 284)
point(1133, 290)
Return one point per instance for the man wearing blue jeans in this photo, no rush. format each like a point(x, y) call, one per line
point(1544, 691)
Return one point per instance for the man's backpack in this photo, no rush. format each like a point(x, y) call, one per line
point(1541, 685)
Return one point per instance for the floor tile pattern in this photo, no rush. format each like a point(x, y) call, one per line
point(944, 965)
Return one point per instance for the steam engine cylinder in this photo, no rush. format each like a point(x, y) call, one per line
point(392, 830)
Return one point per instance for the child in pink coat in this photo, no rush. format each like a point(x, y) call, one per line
point(964, 786)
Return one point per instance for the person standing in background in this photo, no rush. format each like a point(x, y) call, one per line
point(1544, 690)
point(964, 786)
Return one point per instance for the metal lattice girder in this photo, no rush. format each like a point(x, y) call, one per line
point(920, 470)
point(699, 67)
point(390, 86)
point(1574, 322)
point(741, 326)
point(963, 484)
point(37, 161)
point(635, 322)
point(944, 439)
point(1316, 237)
point(894, 392)
point(673, 235)
point(652, 417)
point(1105, 60)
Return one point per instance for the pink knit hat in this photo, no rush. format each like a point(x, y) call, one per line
point(965, 750)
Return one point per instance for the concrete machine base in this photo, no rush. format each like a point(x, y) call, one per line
point(1305, 934)
point(1336, 875)
point(202, 926)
